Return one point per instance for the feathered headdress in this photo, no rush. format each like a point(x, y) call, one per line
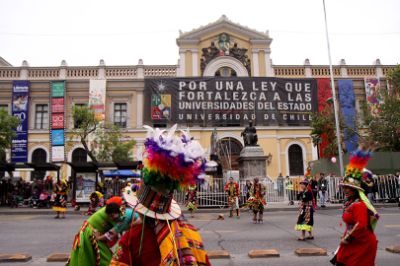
point(355, 176)
point(354, 170)
point(172, 161)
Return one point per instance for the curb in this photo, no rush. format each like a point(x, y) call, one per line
point(263, 253)
point(393, 249)
point(308, 252)
point(58, 257)
point(218, 254)
point(15, 257)
point(30, 211)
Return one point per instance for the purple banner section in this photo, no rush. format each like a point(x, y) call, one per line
point(20, 107)
point(347, 104)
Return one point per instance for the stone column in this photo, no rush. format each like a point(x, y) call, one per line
point(268, 64)
point(63, 70)
point(307, 68)
point(24, 74)
point(314, 151)
point(102, 71)
point(195, 62)
point(256, 67)
point(278, 151)
point(378, 66)
point(182, 62)
point(343, 69)
point(139, 109)
point(140, 69)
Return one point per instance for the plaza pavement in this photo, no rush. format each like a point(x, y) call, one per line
point(34, 232)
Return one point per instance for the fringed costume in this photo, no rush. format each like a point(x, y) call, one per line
point(359, 244)
point(164, 237)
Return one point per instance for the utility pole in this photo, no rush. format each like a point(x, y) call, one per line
point(335, 104)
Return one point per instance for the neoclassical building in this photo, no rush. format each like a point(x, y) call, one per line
point(225, 77)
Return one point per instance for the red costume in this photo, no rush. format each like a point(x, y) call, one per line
point(362, 246)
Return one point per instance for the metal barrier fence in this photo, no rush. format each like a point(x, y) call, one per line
point(213, 194)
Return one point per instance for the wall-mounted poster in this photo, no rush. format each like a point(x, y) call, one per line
point(97, 97)
point(57, 153)
point(20, 107)
point(85, 185)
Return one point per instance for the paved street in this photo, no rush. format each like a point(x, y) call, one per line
point(41, 235)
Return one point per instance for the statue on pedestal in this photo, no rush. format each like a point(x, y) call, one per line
point(249, 135)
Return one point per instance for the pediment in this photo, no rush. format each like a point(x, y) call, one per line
point(221, 25)
point(4, 63)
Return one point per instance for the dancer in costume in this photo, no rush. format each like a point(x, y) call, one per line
point(163, 236)
point(305, 220)
point(232, 188)
point(191, 199)
point(257, 201)
point(96, 202)
point(60, 201)
point(358, 245)
point(98, 234)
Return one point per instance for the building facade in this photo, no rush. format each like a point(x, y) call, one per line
point(221, 51)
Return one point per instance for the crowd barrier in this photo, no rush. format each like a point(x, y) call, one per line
point(212, 195)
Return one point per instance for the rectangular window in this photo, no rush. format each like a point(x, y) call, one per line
point(120, 112)
point(42, 116)
point(78, 105)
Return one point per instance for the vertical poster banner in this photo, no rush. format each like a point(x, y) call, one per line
point(57, 128)
point(373, 95)
point(97, 97)
point(324, 94)
point(347, 103)
point(20, 107)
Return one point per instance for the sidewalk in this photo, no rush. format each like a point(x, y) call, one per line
point(271, 207)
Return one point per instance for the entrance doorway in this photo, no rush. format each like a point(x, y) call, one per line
point(229, 151)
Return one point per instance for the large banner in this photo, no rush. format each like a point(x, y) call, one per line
point(57, 126)
point(324, 94)
point(348, 103)
point(97, 97)
point(223, 101)
point(373, 95)
point(20, 108)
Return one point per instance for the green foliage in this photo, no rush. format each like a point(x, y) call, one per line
point(323, 126)
point(8, 125)
point(101, 141)
point(384, 128)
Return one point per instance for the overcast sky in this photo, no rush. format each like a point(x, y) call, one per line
point(82, 32)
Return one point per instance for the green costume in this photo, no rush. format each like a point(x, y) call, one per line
point(86, 250)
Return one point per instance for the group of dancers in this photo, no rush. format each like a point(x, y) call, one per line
point(147, 226)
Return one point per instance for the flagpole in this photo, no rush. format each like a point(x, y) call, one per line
point(335, 105)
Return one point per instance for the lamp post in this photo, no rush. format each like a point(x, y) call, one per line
point(335, 105)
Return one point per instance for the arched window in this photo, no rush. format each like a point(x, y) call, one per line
point(39, 157)
point(225, 72)
point(229, 151)
point(296, 165)
point(79, 155)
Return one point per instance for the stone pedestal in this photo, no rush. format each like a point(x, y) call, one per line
point(252, 163)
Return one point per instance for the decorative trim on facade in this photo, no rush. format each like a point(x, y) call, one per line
point(225, 61)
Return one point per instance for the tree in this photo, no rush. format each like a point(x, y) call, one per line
point(324, 128)
point(384, 128)
point(8, 126)
point(102, 142)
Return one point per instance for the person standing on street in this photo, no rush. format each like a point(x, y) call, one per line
point(257, 201)
point(358, 245)
point(314, 187)
point(305, 220)
point(232, 188)
point(322, 188)
point(60, 202)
